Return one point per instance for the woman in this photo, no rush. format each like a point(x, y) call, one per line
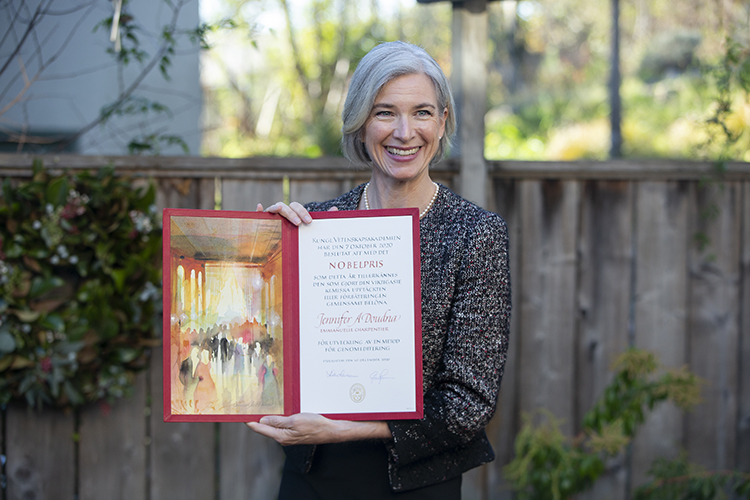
point(397, 119)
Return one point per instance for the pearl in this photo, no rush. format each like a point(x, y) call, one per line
point(421, 214)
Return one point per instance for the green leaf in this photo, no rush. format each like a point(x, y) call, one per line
point(54, 322)
point(744, 75)
point(127, 354)
point(37, 166)
point(41, 285)
point(69, 347)
point(57, 191)
point(27, 316)
point(109, 328)
point(119, 276)
point(7, 342)
point(73, 395)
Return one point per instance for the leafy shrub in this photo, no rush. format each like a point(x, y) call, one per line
point(551, 466)
point(79, 286)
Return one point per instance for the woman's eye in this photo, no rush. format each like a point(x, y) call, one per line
point(423, 112)
point(384, 113)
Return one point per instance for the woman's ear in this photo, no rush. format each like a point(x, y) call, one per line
point(442, 124)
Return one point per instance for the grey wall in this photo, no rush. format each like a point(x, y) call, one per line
point(76, 77)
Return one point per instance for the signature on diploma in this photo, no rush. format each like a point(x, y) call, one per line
point(380, 376)
point(340, 373)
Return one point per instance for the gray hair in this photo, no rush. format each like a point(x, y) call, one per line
point(378, 67)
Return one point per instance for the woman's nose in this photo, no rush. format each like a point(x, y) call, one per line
point(403, 129)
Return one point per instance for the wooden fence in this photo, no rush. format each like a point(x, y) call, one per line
point(603, 257)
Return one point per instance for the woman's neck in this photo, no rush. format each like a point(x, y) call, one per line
point(385, 194)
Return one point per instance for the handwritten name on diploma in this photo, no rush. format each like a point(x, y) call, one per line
point(345, 319)
point(340, 374)
point(380, 376)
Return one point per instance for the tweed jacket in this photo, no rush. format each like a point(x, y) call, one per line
point(465, 322)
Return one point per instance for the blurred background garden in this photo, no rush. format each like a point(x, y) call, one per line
point(274, 85)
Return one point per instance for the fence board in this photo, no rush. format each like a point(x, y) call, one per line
point(117, 432)
point(710, 431)
point(742, 454)
point(182, 455)
point(41, 454)
point(606, 260)
point(502, 429)
point(549, 217)
point(305, 192)
point(250, 464)
point(660, 302)
point(245, 195)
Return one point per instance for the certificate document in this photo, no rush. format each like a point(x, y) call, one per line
point(357, 315)
point(262, 317)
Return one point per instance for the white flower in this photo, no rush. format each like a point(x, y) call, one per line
point(149, 291)
point(73, 259)
point(54, 259)
point(50, 208)
point(26, 328)
point(37, 225)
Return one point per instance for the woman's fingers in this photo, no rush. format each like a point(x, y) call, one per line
point(302, 428)
point(294, 212)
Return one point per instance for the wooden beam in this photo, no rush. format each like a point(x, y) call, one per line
point(469, 81)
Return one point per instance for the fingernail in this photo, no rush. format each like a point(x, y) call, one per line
point(296, 221)
point(308, 219)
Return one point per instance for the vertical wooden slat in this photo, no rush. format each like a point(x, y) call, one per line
point(549, 220)
point(112, 448)
point(714, 297)
point(183, 461)
point(40, 449)
point(250, 464)
point(503, 426)
point(308, 191)
point(177, 193)
point(742, 452)
point(661, 298)
point(605, 250)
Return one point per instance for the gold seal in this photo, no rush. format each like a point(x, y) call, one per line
point(357, 393)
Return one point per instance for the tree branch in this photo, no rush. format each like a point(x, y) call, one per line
point(134, 84)
point(29, 30)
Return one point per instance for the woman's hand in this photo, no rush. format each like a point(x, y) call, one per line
point(311, 428)
point(294, 212)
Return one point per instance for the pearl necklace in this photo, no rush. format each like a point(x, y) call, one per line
point(421, 214)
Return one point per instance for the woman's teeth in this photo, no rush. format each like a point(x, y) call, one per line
point(402, 152)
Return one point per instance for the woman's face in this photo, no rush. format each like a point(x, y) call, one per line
point(403, 131)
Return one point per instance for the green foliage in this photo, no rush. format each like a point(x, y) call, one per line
point(550, 67)
point(549, 465)
point(79, 286)
point(727, 134)
point(680, 480)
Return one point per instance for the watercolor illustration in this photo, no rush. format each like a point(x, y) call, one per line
point(225, 305)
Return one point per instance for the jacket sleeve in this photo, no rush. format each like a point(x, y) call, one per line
point(464, 395)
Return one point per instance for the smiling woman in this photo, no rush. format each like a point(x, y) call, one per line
point(398, 119)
